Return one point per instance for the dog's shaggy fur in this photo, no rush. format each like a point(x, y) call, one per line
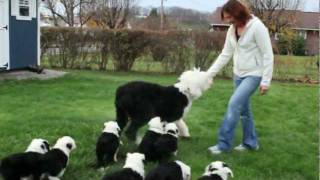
point(217, 171)
point(176, 170)
point(23, 165)
point(141, 101)
point(167, 144)
point(132, 170)
point(108, 144)
point(146, 147)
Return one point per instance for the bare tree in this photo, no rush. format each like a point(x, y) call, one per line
point(51, 5)
point(276, 14)
point(69, 10)
point(112, 14)
point(85, 11)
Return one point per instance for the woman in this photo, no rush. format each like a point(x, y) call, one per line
point(248, 42)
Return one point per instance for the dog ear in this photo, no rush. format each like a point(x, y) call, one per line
point(228, 170)
point(171, 131)
point(69, 146)
point(46, 144)
point(211, 169)
point(224, 165)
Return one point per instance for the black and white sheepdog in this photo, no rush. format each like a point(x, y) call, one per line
point(108, 144)
point(132, 170)
point(167, 144)
point(22, 165)
point(217, 171)
point(147, 145)
point(176, 170)
point(54, 162)
point(137, 102)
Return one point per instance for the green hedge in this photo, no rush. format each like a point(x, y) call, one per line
point(175, 51)
point(149, 51)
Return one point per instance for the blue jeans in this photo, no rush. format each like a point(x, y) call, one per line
point(239, 106)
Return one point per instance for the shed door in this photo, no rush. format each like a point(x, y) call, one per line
point(4, 34)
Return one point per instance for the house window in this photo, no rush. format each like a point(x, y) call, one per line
point(303, 34)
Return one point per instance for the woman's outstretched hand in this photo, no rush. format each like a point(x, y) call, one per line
point(263, 90)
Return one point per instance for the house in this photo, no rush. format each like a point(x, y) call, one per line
point(19, 34)
point(306, 25)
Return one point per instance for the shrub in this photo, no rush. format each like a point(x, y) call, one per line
point(126, 46)
point(206, 45)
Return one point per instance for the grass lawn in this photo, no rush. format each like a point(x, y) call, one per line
point(79, 103)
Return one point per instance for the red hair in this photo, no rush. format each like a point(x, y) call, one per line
point(237, 10)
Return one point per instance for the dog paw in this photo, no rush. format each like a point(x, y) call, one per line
point(138, 140)
point(175, 153)
point(187, 135)
point(103, 169)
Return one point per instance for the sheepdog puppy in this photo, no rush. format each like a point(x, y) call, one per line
point(140, 101)
point(38, 146)
point(23, 165)
point(132, 170)
point(217, 171)
point(167, 144)
point(176, 170)
point(108, 144)
point(54, 162)
point(146, 147)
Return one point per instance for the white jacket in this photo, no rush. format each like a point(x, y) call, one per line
point(252, 54)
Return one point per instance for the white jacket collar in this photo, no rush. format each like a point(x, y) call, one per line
point(248, 25)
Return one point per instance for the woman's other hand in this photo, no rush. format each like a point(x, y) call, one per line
point(263, 89)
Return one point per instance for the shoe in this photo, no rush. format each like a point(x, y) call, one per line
point(214, 150)
point(241, 148)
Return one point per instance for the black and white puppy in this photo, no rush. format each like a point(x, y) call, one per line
point(176, 170)
point(167, 144)
point(132, 170)
point(108, 144)
point(217, 171)
point(54, 163)
point(146, 147)
point(22, 165)
point(38, 146)
point(140, 101)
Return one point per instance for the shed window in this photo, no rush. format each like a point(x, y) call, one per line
point(24, 8)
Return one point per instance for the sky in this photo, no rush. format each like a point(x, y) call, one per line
point(210, 5)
